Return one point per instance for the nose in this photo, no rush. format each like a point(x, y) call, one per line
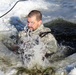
point(29, 24)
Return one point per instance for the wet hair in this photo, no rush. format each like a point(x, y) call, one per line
point(36, 13)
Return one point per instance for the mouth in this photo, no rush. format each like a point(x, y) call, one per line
point(30, 28)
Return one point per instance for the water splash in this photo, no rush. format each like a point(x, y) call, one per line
point(32, 51)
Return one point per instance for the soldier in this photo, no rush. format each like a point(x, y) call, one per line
point(34, 20)
point(34, 23)
point(38, 44)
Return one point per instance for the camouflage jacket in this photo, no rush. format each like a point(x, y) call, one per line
point(47, 38)
point(34, 45)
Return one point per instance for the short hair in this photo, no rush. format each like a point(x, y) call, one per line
point(36, 13)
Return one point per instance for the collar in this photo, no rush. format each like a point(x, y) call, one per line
point(39, 29)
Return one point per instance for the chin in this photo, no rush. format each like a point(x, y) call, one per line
point(31, 29)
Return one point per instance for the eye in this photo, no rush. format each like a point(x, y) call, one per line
point(27, 21)
point(32, 22)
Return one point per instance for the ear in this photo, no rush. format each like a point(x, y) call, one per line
point(40, 22)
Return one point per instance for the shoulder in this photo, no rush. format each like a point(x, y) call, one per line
point(46, 29)
point(47, 32)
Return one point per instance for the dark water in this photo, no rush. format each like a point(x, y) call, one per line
point(64, 32)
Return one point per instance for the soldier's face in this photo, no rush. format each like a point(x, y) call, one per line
point(33, 23)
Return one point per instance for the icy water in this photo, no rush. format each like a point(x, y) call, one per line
point(61, 8)
point(51, 9)
point(64, 32)
point(66, 9)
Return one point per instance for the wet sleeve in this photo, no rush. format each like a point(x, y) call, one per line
point(51, 43)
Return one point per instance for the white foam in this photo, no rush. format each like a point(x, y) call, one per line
point(73, 72)
point(1, 73)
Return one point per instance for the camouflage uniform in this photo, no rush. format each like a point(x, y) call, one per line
point(47, 38)
point(35, 45)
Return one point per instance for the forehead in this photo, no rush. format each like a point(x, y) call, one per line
point(32, 18)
